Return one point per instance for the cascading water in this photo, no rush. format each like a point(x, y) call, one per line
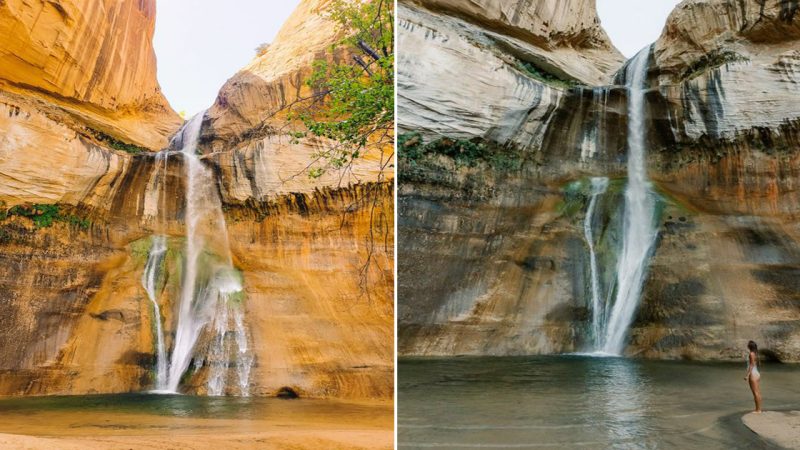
point(218, 355)
point(244, 361)
point(599, 185)
point(149, 282)
point(210, 286)
point(639, 231)
point(152, 268)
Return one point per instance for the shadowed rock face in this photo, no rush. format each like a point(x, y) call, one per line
point(316, 255)
point(494, 261)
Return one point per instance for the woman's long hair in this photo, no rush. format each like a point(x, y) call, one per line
point(753, 347)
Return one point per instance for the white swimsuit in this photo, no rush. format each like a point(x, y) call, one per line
point(754, 373)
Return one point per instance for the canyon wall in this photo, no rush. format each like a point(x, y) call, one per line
point(79, 206)
point(494, 183)
point(93, 60)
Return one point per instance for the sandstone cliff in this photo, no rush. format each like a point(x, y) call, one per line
point(318, 290)
point(254, 98)
point(495, 70)
point(94, 59)
point(504, 229)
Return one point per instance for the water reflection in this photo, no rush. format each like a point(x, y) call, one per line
point(618, 385)
point(578, 402)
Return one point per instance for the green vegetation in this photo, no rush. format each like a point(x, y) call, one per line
point(140, 249)
point(44, 215)
point(116, 143)
point(546, 77)
point(353, 101)
point(576, 195)
point(711, 61)
point(464, 153)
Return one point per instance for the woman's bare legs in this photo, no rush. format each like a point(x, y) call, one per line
point(756, 388)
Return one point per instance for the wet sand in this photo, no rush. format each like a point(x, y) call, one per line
point(285, 439)
point(779, 427)
point(292, 424)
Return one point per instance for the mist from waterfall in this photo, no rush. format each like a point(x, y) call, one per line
point(639, 231)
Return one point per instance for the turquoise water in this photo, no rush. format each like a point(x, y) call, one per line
point(582, 402)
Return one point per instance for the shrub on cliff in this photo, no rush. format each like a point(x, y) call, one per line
point(353, 104)
point(44, 215)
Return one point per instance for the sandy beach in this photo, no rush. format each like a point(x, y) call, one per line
point(288, 439)
point(779, 427)
point(133, 423)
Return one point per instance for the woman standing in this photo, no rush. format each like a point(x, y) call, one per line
point(753, 376)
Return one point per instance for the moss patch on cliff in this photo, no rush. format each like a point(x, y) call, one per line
point(115, 143)
point(464, 153)
point(140, 249)
point(44, 215)
point(709, 61)
point(546, 77)
point(576, 195)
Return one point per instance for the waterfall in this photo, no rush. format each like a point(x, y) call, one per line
point(218, 354)
point(639, 231)
point(149, 282)
point(210, 285)
point(599, 185)
point(244, 361)
point(155, 258)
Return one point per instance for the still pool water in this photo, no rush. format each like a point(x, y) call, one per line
point(582, 402)
point(149, 414)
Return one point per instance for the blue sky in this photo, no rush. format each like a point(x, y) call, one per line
point(633, 24)
point(202, 43)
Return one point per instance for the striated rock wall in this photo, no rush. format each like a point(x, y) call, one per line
point(547, 25)
point(92, 59)
point(730, 66)
point(77, 320)
point(461, 66)
point(494, 260)
point(316, 255)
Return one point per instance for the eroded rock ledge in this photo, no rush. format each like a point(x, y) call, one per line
point(494, 258)
point(85, 194)
point(93, 59)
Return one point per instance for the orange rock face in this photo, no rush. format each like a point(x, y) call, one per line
point(273, 79)
point(315, 255)
point(93, 58)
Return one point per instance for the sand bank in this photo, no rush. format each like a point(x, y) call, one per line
point(779, 427)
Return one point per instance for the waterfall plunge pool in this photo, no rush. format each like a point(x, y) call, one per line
point(582, 402)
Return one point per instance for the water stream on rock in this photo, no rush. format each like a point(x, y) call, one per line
point(149, 282)
point(209, 304)
point(153, 266)
point(210, 284)
point(599, 185)
point(639, 231)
